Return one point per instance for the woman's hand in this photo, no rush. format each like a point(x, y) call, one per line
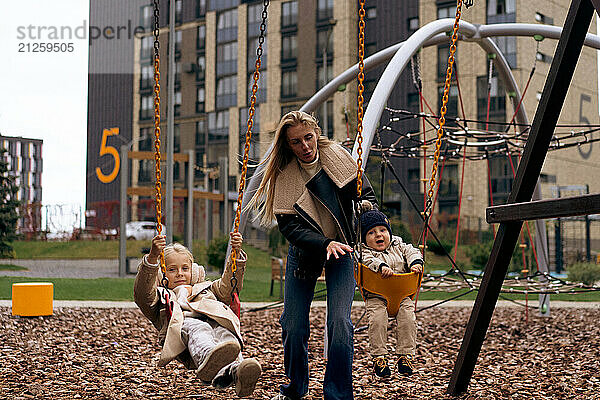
point(337, 249)
point(386, 272)
point(236, 240)
point(159, 242)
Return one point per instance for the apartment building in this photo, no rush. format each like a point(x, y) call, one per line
point(24, 158)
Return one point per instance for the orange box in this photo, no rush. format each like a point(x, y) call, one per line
point(32, 299)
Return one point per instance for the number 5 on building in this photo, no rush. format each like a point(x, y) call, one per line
point(104, 149)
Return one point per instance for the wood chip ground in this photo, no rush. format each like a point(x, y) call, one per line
point(85, 353)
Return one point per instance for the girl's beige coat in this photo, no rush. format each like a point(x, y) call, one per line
point(208, 298)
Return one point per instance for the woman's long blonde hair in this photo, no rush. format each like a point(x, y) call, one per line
point(280, 156)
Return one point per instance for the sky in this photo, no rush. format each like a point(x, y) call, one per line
point(44, 95)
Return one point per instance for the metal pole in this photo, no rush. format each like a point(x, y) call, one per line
point(123, 212)
point(207, 210)
point(223, 188)
point(189, 217)
point(541, 246)
point(170, 124)
point(588, 254)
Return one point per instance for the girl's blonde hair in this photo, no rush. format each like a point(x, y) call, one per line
point(178, 248)
point(280, 156)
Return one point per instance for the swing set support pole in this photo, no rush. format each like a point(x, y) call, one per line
point(555, 90)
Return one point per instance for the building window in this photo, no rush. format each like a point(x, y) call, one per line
point(254, 19)
point(448, 192)
point(178, 11)
point(226, 58)
point(545, 58)
point(442, 65)
point(508, 47)
point(497, 102)
point(147, 77)
point(370, 49)
point(324, 9)
point(289, 83)
point(200, 135)
point(146, 139)
point(543, 19)
point(227, 26)
point(254, 150)
point(147, 47)
point(325, 42)
point(218, 127)
point(178, 37)
point(252, 49)
point(200, 99)
point(176, 138)
point(289, 47)
point(413, 24)
point(147, 18)
point(371, 12)
point(451, 106)
point(147, 107)
point(201, 67)
point(146, 171)
point(146, 167)
point(413, 101)
point(177, 102)
point(448, 11)
point(320, 81)
point(499, 12)
point(200, 8)
point(501, 178)
point(178, 73)
point(289, 13)
point(226, 91)
point(261, 93)
point(321, 119)
point(201, 43)
point(500, 7)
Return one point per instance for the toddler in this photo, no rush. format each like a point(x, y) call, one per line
point(387, 254)
point(203, 332)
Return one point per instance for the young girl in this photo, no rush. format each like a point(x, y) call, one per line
point(202, 332)
point(387, 254)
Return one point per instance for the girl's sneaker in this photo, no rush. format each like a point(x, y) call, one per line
point(380, 367)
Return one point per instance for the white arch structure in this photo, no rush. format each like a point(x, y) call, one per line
point(399, 55)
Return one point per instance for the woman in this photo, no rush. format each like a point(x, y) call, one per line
point(309, 186)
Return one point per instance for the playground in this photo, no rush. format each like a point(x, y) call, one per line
point(464, 350)
point(112, 354)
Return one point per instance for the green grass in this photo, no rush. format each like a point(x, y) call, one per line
point(257, 278)
point(89, 249)
point(76, 249)
point(9, 267)
point(117, 289)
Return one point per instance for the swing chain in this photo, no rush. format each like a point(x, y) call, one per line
point(361, 88)
point(251, 110)
point(156, 92)
point(442, 119)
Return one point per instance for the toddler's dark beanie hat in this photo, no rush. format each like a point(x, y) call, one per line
point(371, 219)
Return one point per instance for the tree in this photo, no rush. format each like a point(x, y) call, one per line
point(8, 208)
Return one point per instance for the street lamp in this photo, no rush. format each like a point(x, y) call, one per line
point(332, 23)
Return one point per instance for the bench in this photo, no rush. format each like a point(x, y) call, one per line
point(278, 274)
